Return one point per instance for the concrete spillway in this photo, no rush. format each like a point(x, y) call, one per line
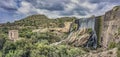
point(88, 23)
point(85, 23)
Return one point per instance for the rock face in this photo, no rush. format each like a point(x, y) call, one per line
point(108, 31)
point(108, 53)
point(56, 29)
point(84, 34)
point(78, 38)
point(111, 24)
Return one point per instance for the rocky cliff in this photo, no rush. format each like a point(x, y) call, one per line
point(111, 24)
point(106, 28)
point(107, 53)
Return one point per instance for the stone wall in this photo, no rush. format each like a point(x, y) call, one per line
point(13, 35)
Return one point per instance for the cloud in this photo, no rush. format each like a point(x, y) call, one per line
point(59, 8)
point(18, 9)
point(78, 8)
point(25, 8)
point(81, 8)
point(9, 5)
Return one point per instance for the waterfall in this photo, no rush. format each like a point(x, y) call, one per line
point(92, 42)
point(88, 23)
point(83, 23)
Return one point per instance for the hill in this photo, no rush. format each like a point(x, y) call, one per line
point(39, 34)
point(40, 21)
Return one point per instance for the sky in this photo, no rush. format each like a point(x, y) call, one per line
point(12, 10)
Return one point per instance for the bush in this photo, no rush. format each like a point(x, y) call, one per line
point(2, 41)
point(16, 53)
point(112, 45)
point(90, 30)
point(61, 25)
point(118, 52)
point(25, 32)
point(118, 31)
point(1, 54)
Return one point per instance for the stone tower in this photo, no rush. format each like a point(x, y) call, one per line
point(13, 35)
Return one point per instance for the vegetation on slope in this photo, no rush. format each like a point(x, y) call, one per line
point(35, 44)
point(41, 21)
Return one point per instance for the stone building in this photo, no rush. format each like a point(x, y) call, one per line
point(13, 35)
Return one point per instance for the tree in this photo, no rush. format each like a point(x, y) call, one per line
point(15, 53)
point(2, 41)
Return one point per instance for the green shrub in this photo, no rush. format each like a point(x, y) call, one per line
point(2, 41)
point(16, 53)
point(118, 31)
point(1, 54)
point(112, 45)
point(89, 30)
point(118, 52)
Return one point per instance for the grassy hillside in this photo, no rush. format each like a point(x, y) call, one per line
point(27, 25)
point(40, 21)
point(36, 44)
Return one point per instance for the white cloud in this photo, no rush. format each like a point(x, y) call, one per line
point(25, 8)
point(53, 14)
point(78, 8)
point(54, 8)
point(69, 6)
point(106, 6)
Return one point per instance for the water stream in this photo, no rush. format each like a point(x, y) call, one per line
point(88, 23)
